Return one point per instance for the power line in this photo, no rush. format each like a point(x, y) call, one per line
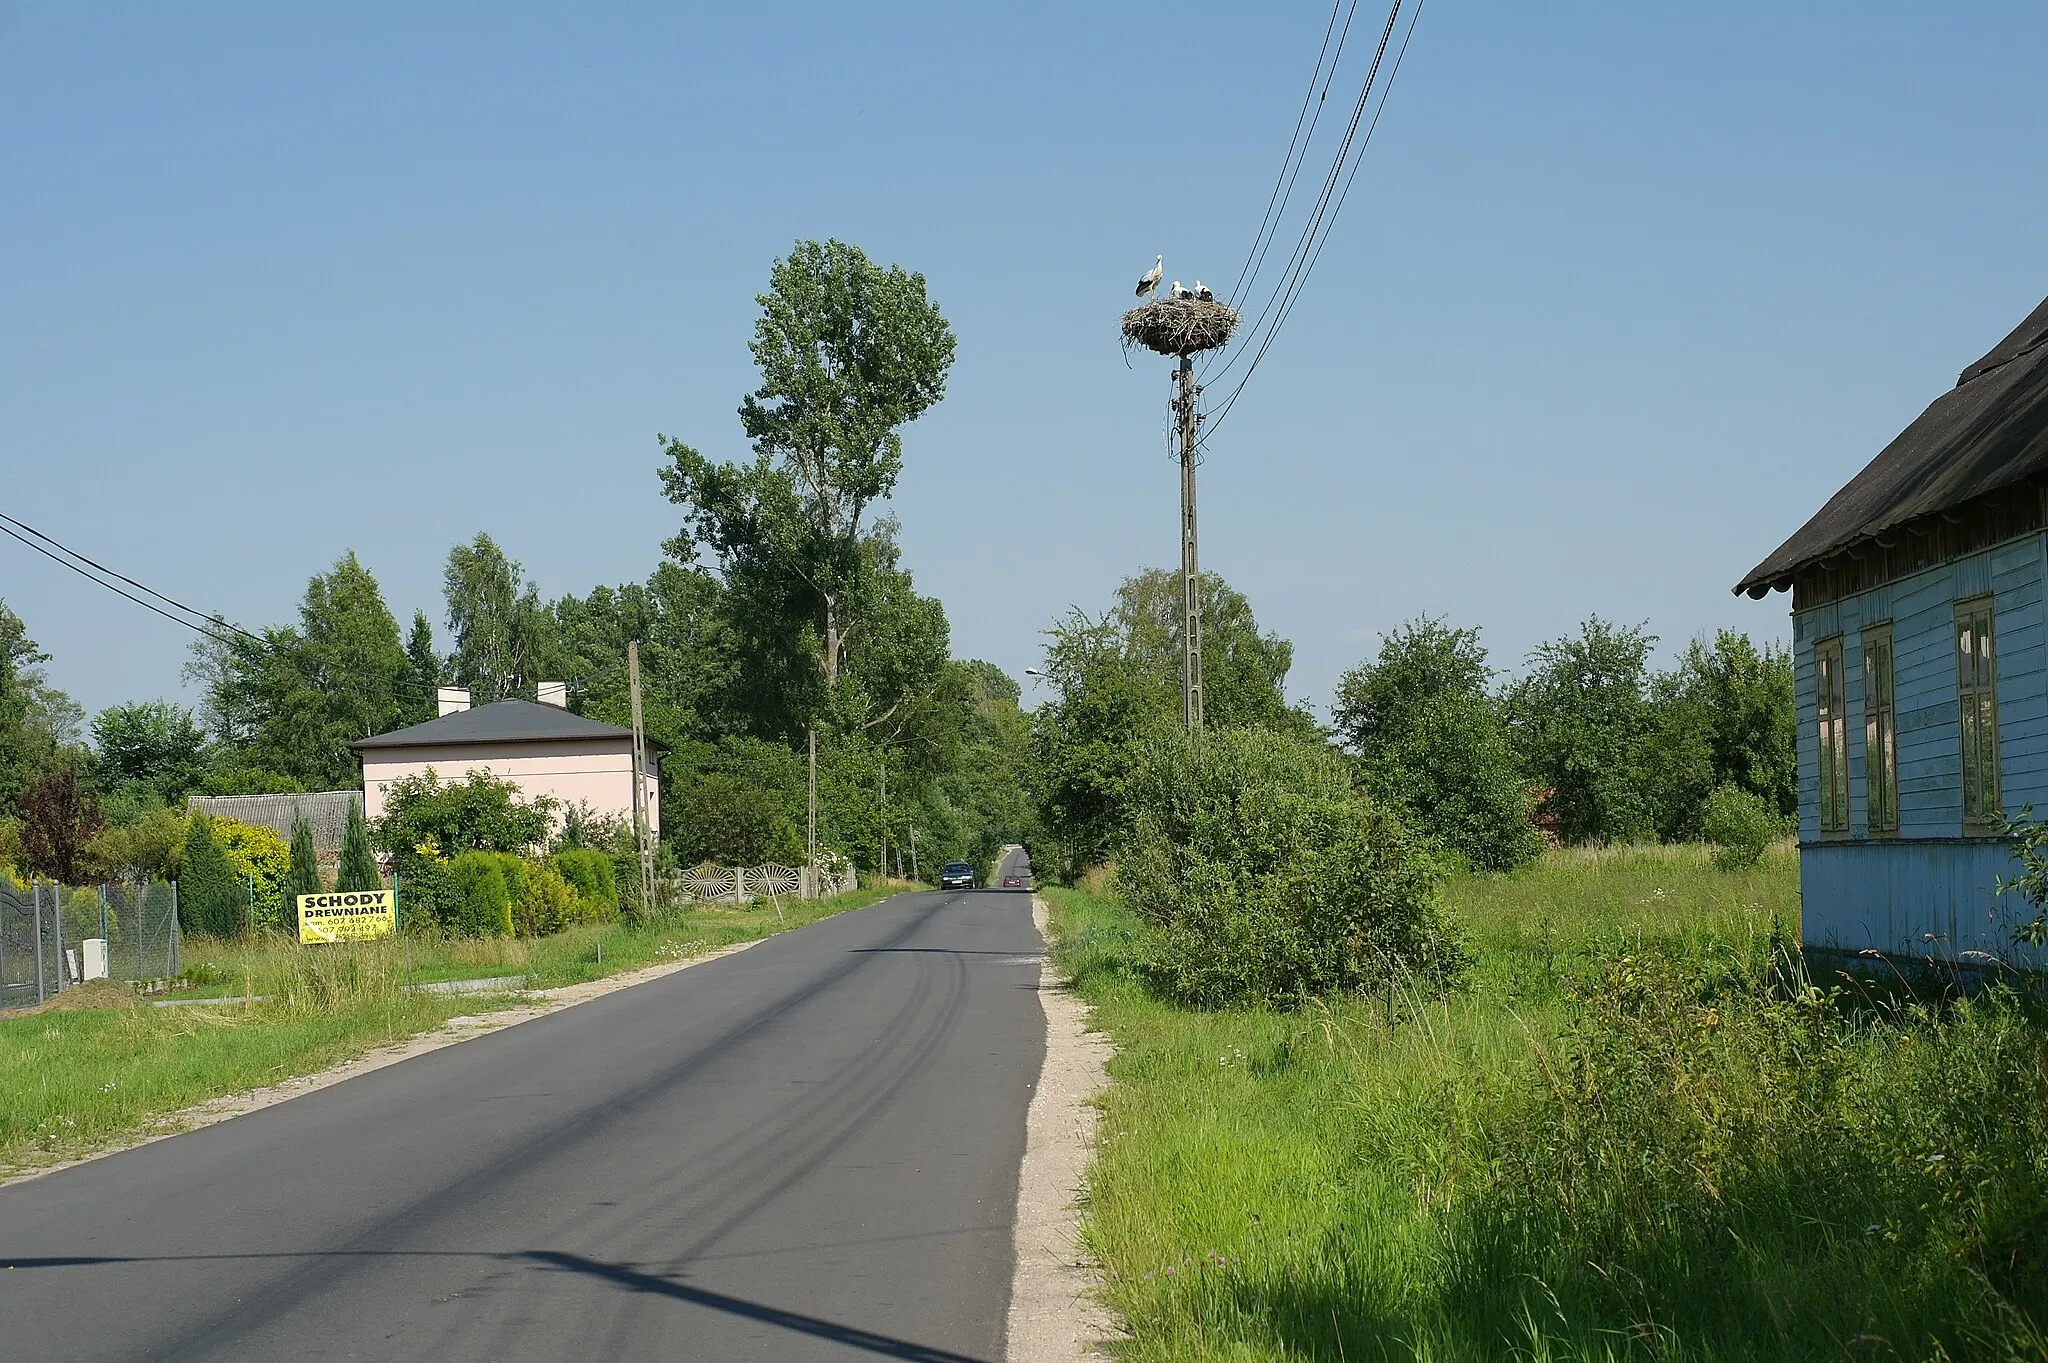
point(1291, 276)
point(206, 624)
point(1246, 273)
point(1315, 255)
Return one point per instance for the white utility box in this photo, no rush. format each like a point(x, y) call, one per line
point(95, 958)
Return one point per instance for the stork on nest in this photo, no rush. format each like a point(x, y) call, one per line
point(1179, 326)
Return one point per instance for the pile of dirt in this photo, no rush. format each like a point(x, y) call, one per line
point(79, 997)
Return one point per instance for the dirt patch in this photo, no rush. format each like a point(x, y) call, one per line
point(1055, 1316)
point(79, 997)
point(536, 1004)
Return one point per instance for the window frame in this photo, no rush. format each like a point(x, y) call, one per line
point(1830, 705)
point(1979, 775)
point(1880, 732)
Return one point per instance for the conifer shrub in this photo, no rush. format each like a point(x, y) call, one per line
point(303, 876)
point(478, 902)
point(211, 898)
point(1263, 878)
point(358, 869)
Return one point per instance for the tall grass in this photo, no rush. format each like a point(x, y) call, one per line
point(1638, 1132)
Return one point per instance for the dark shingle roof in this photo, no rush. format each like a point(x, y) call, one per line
point(1988, 432)
point(503, 721)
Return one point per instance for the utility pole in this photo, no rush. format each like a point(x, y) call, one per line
point(885, 818)
point(1190, 560)
point(811, 806)
point(641, 842)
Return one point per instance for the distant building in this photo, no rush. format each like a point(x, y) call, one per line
point(543, 749)
point(1922, 669)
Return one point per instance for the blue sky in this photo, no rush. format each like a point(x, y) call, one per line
point(1623, 293)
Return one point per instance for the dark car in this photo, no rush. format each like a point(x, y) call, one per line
point(956, 875)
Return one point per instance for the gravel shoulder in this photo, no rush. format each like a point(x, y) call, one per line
point(1055, 1312)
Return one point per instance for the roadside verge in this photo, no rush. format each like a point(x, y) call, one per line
point(1055, 1315)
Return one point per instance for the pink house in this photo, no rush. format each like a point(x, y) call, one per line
point(544, 749)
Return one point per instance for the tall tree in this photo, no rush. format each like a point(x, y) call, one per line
point(211, 899)
point(1244, 670)
point(849, 353)
point(424, 668)
point(496, 619)
point(1381, 701)
point(156, 745)
point(291, 700)
point(1582, 720)
point(37, 721)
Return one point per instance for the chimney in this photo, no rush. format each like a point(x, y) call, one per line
point(454, 699)
point(555, 694)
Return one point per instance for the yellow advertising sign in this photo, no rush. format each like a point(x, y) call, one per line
point(347, 916)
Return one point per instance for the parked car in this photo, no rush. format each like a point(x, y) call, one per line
point(956, 875)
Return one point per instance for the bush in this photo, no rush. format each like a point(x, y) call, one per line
point(261, 860)
point(1263, 878)
point(542, 901)
point(479, 902)
point(211, 899)
point(1739, 825)
point(590, 875)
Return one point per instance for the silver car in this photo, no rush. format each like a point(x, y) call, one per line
point(956, 875)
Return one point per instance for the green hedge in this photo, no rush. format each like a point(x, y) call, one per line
point(480, 902)
point(590, 874)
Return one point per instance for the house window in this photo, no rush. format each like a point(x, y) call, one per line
point(1834, 736)
point(1977, 698)
point(1880, 733)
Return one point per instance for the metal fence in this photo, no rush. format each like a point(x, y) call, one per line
point(709, 884)
point(55, 936)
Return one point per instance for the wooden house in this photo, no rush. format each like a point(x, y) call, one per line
point(1922, 670)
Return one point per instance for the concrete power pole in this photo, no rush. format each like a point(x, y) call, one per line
point(1190, 559)
point(642, 844)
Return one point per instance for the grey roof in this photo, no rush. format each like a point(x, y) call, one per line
point(502, 721)
point(1988, 432)
point(326, 810)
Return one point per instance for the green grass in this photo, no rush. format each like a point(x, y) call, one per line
point(1632, 1133)
point(75, 1080)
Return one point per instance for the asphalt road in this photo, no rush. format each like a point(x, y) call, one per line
point(807, 1150)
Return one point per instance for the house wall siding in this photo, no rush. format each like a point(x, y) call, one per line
point(598, 773)
point(1928, 889)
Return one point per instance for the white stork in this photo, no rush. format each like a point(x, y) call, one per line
point(1150, 282)
point(1204, 292)
point(1181, 295)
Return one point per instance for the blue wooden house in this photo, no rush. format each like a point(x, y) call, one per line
point(1921, 667)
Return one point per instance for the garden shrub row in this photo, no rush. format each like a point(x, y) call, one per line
point(499, 894)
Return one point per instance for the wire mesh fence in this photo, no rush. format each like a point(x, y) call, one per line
point(55, 936)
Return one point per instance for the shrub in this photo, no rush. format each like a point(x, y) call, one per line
point(210, 898)
point(542, 901)
point(358, 869)
point(590, 875)
point(479, 902)
point(1263, 878)
point(261, 859)
point(303, 875)
point(1739, 825)
point(479, 812)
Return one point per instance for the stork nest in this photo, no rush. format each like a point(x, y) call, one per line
point(1179, 326)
